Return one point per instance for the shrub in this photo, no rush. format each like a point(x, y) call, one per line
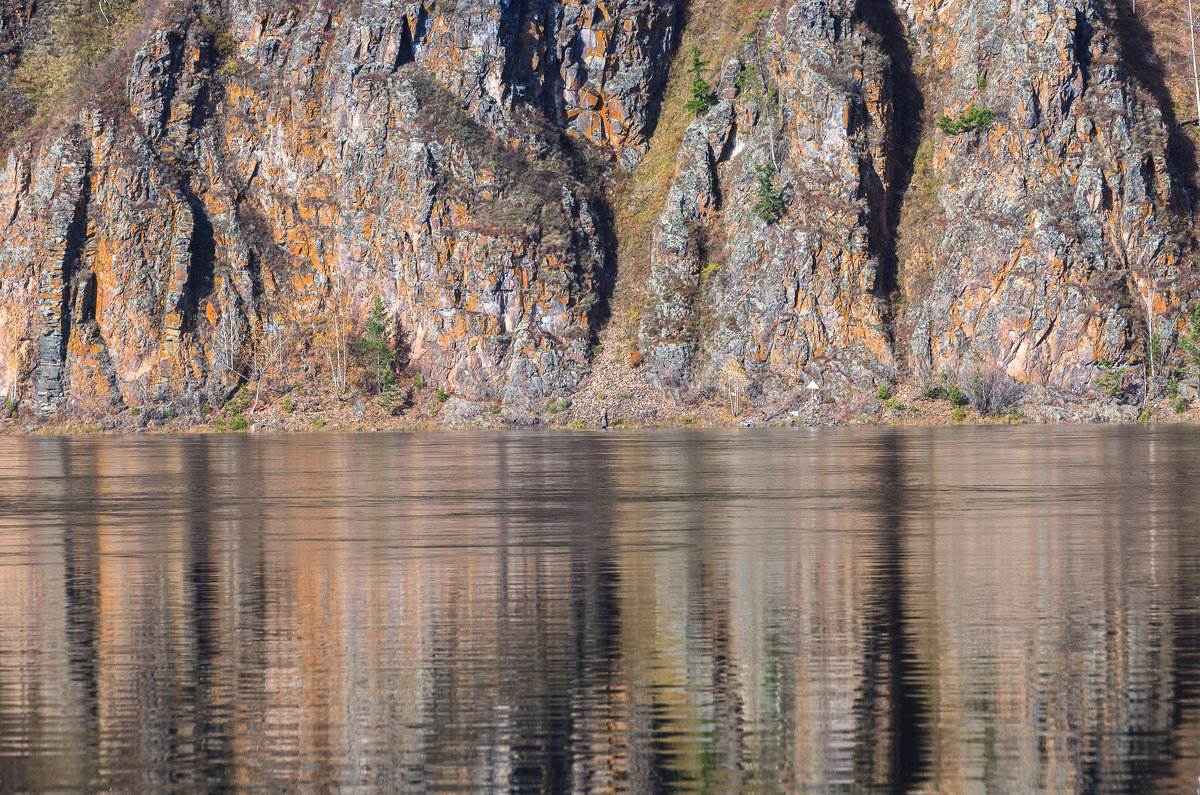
point(442, 397)
point(747, 78)
point(239, 423)
point(958, 414)
point(972, 119)
point(495, 408)
point(238, 403)
point(688, 420)
point(1180, 405)
point(391, 398)
point(289, 405)
point(318, 422)
point(1173, 387)
point(134, 411)
point(990, 391)
point(884, 392)
point(892, 403)
point(769, 203)
point(170, 412)
point(955, 395)
point(418, 381)
point(1189, 343)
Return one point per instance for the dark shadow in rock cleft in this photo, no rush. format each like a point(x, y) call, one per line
point(1140, 58)
point(908, 104)
point(202, 251)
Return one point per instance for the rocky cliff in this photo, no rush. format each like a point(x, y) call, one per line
point(195, 193)
point(969, 188)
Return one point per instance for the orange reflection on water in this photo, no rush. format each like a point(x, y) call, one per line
point(924, 609)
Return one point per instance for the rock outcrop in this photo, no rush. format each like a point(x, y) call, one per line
point(875, 190)
point(264, 165)
point(767, 294)
point(1031, 231)
point(1050, 230)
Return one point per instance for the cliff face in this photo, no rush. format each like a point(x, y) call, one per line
point(771, 298)
point(1030, 245)
point(268, 167)
point(236, 179)
point(1049, 231)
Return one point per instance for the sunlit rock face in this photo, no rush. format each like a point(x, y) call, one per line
point(233, 171)
point(772, 296)
point(1030, 245)
point(1048, 232)
point(270, 165)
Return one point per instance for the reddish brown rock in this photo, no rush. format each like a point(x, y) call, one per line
point(226, 175)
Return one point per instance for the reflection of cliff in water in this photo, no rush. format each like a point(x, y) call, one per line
point(903, 609)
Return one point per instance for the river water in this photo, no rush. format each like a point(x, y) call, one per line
point(903, 609)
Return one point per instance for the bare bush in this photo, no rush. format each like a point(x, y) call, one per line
point(227, 343)
point(333, 336)
point(269, 344)
point(733, 379)
point(990, 390)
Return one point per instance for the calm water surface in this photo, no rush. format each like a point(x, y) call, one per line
point(907, 609)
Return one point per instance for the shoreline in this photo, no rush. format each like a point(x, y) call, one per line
point(427, 413)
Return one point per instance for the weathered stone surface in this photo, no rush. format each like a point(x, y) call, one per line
point(1053, 225)
point(1030, 247)
point(776, 299)
point(291, 169)
point(258, 168)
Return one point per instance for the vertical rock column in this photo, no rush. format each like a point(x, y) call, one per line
point(59, 257)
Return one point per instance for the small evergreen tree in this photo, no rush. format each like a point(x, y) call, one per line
point(703, 97)
point(1109, 382)
point(1189, 343)
point(392, 398)
point(768, 201)
point(972, 119)
point(378, 356)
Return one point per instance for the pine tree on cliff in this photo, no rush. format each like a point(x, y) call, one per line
point(769, 203)
point(703, 97)
point(1189, 343)
point(376, 348)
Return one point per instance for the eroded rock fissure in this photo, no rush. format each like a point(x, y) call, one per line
point(202, 252)
point(908, 105)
